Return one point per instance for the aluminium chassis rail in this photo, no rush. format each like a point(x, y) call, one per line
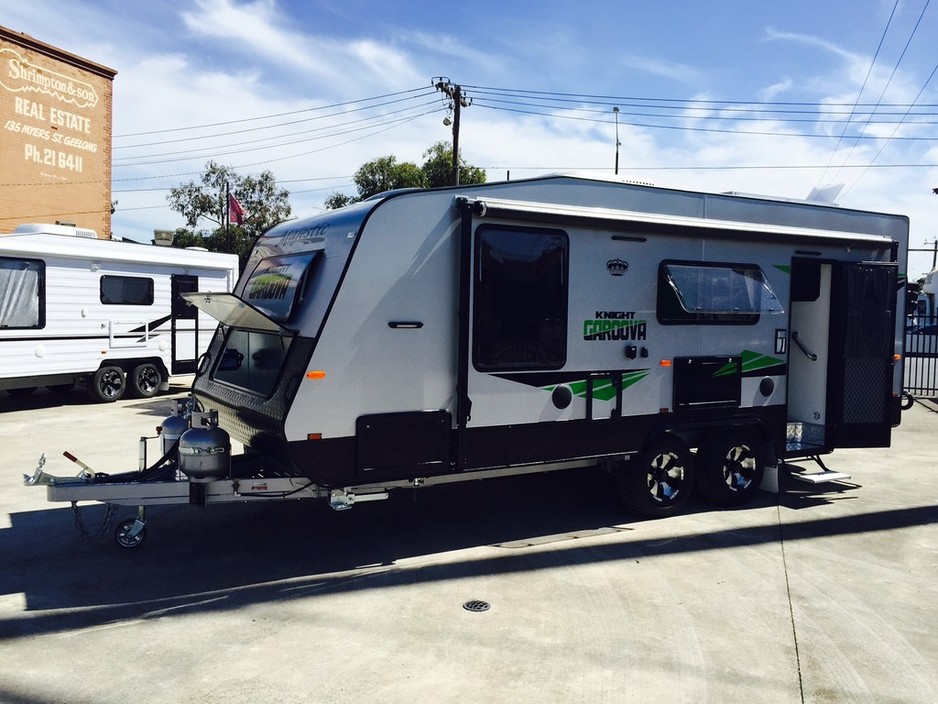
point(89, 485)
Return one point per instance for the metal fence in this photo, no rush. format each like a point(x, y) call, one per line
point(921, 356)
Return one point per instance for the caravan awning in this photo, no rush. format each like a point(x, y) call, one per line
point(535, 211)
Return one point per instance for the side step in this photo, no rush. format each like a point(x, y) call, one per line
point(826, 475)
point(822, 477)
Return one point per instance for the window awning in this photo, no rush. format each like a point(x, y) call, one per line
point(230, 310)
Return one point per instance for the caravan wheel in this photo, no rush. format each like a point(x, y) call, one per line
point(730, 467)
point(145, 380)
point(108, 384)
point(657, 482)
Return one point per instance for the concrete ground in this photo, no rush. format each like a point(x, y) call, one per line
point(826, 594)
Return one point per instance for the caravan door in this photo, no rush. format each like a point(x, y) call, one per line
point(184, 325)
point(841, 355)
point(513, 344)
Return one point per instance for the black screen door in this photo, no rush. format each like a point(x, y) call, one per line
point(862, 364)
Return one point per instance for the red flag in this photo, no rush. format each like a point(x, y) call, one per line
point(236, 212)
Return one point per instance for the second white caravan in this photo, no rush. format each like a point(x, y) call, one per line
point(106, 314)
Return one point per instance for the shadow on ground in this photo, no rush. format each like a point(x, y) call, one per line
point(229, 556)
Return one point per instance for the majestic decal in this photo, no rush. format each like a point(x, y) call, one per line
point(300, 235)
point(617, 267)
point(615, 325)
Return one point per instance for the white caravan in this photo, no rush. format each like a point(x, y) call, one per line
point(680, 340)
point(108, 314)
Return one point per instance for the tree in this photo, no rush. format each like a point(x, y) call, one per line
point(386, 173)
point(438, 167)
point(203, 206)
point(339, 200)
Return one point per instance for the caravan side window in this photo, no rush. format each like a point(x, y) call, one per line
point(520, 299)
point(705, 293)
point(126, 291)
point(22, 293)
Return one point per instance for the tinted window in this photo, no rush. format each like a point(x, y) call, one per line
point(182, 309)
point(22, 293)
point(275, 284)
point(126, 291)
point(520, 301)
point(706, 293)
point(252, 360)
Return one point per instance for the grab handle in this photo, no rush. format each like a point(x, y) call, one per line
point(801, 346)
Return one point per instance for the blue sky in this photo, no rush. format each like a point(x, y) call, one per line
point(715, 96)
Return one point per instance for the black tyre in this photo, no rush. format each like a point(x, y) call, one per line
point(126, 538)
point(108, 384)
point(145, 381)
point(730, 467)
point(908, 400)
point(657, 482)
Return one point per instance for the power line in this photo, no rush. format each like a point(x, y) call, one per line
point(693, 128)
point(869, 70)
point(888, 82)
point(889, 139)
point(754, 115)
point(610, 100)
point(374, 129)
point(369, 122)
point(270, 116)
point(267, 127)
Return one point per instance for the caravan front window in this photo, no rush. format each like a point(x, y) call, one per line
point(276, 284)
point(22, 293)
point(707, 293)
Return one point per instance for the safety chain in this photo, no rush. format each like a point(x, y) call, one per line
point(109, 514)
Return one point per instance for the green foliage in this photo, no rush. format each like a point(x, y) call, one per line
point(204, 208)
point(438, 167)
point(339, 200)
point(386, 173)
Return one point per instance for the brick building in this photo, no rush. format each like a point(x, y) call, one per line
point(55, 136)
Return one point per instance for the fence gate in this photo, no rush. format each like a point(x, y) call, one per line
point(921, 356)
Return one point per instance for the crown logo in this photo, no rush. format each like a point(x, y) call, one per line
point(617, 266)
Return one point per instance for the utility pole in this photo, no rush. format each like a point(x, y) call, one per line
point(459, 101)
point(618, 143)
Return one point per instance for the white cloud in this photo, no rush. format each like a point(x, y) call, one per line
point(776, 89)
point(671, 70)
point(259, 31)
point(213, 61)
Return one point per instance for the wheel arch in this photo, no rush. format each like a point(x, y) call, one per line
point(694, 433)
point(128, 364)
